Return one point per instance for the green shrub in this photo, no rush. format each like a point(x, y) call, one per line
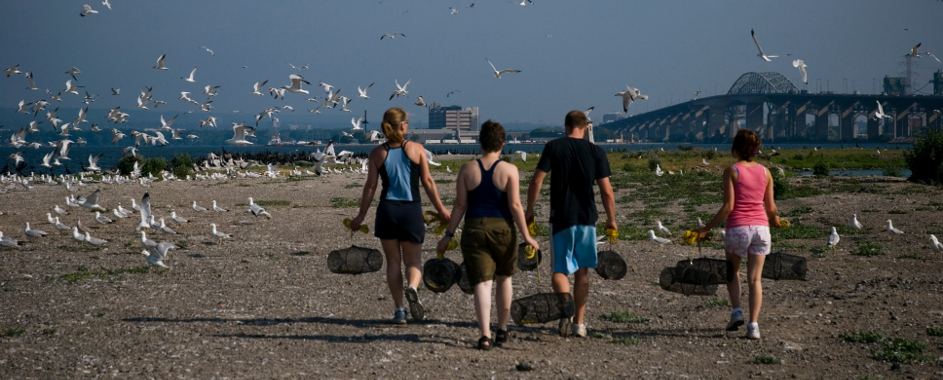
point(869, 249)
point(926, 159)
point(653, 162)
point(710, 154)
point(862, 337)
point(820, 169)
point(14, 331)
point(935, 331)
point(766, 359)
point(153, 166)
point(182, 165)
point(901, 351)
point(893, 172)
point(126, 163)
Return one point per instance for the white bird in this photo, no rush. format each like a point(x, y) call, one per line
point(356, 123)
point(833, 239)
point(662, 228)
point(658, 240)
point(72, 72)
point(801, 65)
point(855, 223)
point(257, 210)
point(295, 87)
point(32, 83)
point(704, 162)
point(60, 210)
point(400, 90)
point(392, 36)
point(13, 70)
point(518, 154)
point(147, 243)
point(160, 63)
point(124, 210)
point(929, 54)
point(700, 223)
point(497, 74)
point(257, 88)
point(119, 214)
point(107, 4)
point(914, 53)
point(420, 102)
point(102, 219)
point(935, 244)
point(658, 170)
point(629, 95)
point(91, 201)
point(363, 92)
point(210, 90)
point(760, 54)
point(239, 134)
point(31, 233)
point(155, 255)
point(93, 163)
point(70, 88)
point(145, 210)
point(197, 208)
point(430, 157)
point(165, 228)
point(219, 235)
point(879, 114)
point(890, 228)
point(8, 242)
point(453, 11)
point(59, 226)
point(217, 208)
point(77, 236)
point(87, 10)
point(190, 79)
point(176, 219)
point(93, 240)
point(208, 50)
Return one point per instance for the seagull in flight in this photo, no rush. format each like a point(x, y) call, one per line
point(914, 53)
point(74, 71)
point(160, 63)
point(879, 114)
point(929, 54)
point(497, 74)
point(239, 135)
point(115, 91)
point(13, 70)
point(32, 83)
point(760, 54)
point(454, 11)
point(107, 4)
point(801, 65)
point(400, 90)
point(629, 95)
point(190, 79)
point(363, 92)
point(421, 102)
point(392, 36)
point(257, 88)
point(87, 10)
point(295, 86)
point(207, 49)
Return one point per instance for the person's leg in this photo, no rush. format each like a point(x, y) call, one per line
point(483, 307)
point(733, 287)
point(754, 275)
point(503, 296)
point(412, 260)
point(394, 272)
point(580, 293)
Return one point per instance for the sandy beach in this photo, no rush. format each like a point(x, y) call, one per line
point(264, 305)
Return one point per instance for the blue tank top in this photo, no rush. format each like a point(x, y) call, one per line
point(486, 201)
point(400, 176)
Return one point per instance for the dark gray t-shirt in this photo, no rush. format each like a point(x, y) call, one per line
point(575, 164)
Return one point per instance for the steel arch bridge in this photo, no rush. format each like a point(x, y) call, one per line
point(762, 83)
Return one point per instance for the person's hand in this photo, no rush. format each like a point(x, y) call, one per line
point(529, 217)
point(533, 243)
point(355, 224)
point(443, 244)
point(775, 222)
point(445, 216)
point(611, 224)
point(702, 231)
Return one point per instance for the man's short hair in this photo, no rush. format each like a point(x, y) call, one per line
point(576, 119)
point(491, 137)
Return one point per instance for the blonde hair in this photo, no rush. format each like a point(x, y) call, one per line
point(392, 119)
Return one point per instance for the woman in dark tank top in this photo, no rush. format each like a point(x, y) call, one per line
point(488, 196)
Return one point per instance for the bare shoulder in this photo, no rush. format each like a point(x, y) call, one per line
point(507, 168)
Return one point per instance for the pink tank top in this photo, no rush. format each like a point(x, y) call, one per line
point(749, 191)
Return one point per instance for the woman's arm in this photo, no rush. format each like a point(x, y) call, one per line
point(727, 207)
point(426, 177)
point(458, 209)
point(513, 190)
point(369, 188)
point(768, 199)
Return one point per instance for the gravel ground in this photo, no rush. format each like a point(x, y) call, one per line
point(264, 305)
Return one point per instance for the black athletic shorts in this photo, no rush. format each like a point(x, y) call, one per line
point(400, 220)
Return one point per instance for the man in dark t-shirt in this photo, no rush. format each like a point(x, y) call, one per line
point(575, 164)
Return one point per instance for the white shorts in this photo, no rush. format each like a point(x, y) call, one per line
point(743, 240)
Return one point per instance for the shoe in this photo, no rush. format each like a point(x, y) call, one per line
point(579, 329)
point(485, 343)
point(500, 338)
point(415, 307)
point(736, 320)
point(753, 332)
point(565, 327)
point(399, 317)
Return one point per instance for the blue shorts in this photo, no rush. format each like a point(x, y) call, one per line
point(573, 248)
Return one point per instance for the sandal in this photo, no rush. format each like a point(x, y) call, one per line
point(500, 338)
point(485, 343)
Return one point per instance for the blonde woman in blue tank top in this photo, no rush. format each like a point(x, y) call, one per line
point(401, 166)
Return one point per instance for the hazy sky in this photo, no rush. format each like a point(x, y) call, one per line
point(572, 55)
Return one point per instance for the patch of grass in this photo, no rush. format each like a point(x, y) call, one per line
point(341, 202)
point(183, 244)
point(626, 341)
point(623, 317)
point(766, 359)
point(83, 273)
point(270, 256)
point(901, 351)
point(16, 331)
point(794, 246)
point(868, 248)
point(801, 231)
point(244, 185)
point(48, 331)
point(445, 181)
point(717, 302)
point(272, 203)
point(912, 256)
point(798, 212)
point(870, 211)
point(935, 331)
point(353, 185)
point(898, 212)
point(100, 314)
point(862, 337)
point(849, 230)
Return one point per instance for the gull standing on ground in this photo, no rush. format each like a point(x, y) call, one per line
point(295, 86)
point(855, 223)
point(87, 10)
point(8, 242)
point(658, 170)
point(219, 235)
point(400, 90)
point(257, 210)
point(119, 214)
point(833, 239)
point(190, 79)
point(31, 233)
point(629, 95)
point(124, 210)
point(60, 226)
point(217, 208)
point(147, 243)
point(935, 244)
point(890, 228)
point(60, 210)
point(363, 92)
point(94, 241)
point(197, 208)
point(176, 219)
point(77, 236)
point(760, 54)
point(657, 240)
point(704, 162)
point(801, 65)
point(102, 219)
point(497, 74)
point(165, 228)
point(662, 228)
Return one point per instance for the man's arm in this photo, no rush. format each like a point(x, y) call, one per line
point(533, 191)
point(608, 201)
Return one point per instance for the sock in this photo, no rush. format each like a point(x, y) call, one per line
point(753, 325)
point(736, 310)
point(401, 308)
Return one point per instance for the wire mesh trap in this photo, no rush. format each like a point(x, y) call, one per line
point(440, 274)
point(780, 266)
point(354, 260)
point(610, 265)
point(527, 259)
point(694, 277)
point(542, 308)
point(463, 282)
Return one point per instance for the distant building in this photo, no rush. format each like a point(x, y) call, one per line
point(464, 121)
point(938, 82)
point(610, 117)
point(894, 85)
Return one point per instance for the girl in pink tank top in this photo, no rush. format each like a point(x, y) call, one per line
point(749, 210)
